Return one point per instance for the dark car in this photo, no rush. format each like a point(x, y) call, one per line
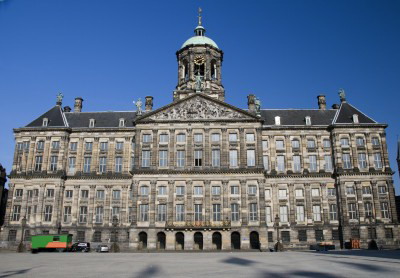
point(80, 247)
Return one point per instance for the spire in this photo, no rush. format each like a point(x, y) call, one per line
point(199, 31)
point(199, 16)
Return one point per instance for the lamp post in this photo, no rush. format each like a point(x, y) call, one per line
point(372, 244)
point(59, 227)
point(278, 245)
point(114, 246)
point(21, 246)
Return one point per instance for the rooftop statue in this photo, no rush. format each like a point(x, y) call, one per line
point(138, 104)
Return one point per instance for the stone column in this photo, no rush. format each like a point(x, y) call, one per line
point(224, 151)
point(261, 194)
point(172, 149)
point(207, 200)
point(189, 206)
point(135, 189)
point(225, 203)
point(243, 198)
point(152, 201)
point(292, 205)
point(170, 202)
point(190, 150)
point(242, 152)
point(207, 148)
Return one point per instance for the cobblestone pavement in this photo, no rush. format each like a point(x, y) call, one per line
point(224, 264)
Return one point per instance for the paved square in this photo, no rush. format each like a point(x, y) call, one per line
point(224, 264)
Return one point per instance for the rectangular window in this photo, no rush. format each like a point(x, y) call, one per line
point(216, 159)
point(115, 212)
point(283, 214)
point(368, 209)
point(116, 194)
point(181, 138)
point(162, 190)
point(83, 214)
point(333, 212)
point(103, 164)
point(19, 192)
point(38, 163)
point(99, 214)
point(285, 235)
point(143, 213)
point(382, 189)
point(299, 192)
point(215, 137)
point(388, 232)
point(100, 194)
point(103, 146)
point(198, 158)
point(40, 145)
point(69, 194)
point(20, 146)
point(180, 158)
point(344, 142)
point(300, 213)
point(88, 146)
point(280, 145)
point(48, 212)
point(233, 158)
point(268, 214)
point(145, 159)
point(362, 160)
point(326, 143)
point(73, 146)
point(296, 164)
point(350, 190)
point(335, 234)
point(144, 190)
point(180, 190)
point(198, 190)
point(146, 138)
point(251, 158)
point(163, 158)
point(53, 163)
point(281, 163)
point(378, 161)
point(198, 212)
point(130, 214)
point(235, 190)
point(67, 214)
point(216, 212)
point(84, 194)
point(253, 212)
point(328, 163)
point(86, 164)
point(250, 137)
point(295, 144)
point(319, 235)
point(310, 144)
point(282, 193)
point(233, 137)
point(72, 164)
point(264, 145)
point(97, 236)
point(235, 212)
point(385, 210)
point(302, 235)
point(266, 162)
point(366, 190)
point(119, 145)
point(360, 142)
point(163, 138)
point(375, 141)
point(313, 163)
point(198, 138)
point(118, 164)
point(162, 212)
point(346, 161)
point(180, 212)
point(317, 213)
point(16, 213)
point(252, 190)
point(50, 193)
point(372, 233)
point(270, 236)
point(216, 190)
point(331, 192)
point(315, 192)
point(12, 235)
point(352, 211)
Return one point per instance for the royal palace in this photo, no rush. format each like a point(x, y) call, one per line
point(201, 174)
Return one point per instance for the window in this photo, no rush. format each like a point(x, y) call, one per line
point(388, 232)
point(38, 163)
point(19, 192)
point(216, 190)
point(119, 145)
point(45, 122)
point(16, 213)
point(100, 194)
point(253, 212)
point(368, 209)
point(316, 212)
point(181, 138)
point(300, 213)
point(162, 212)
point(146, 138)
point(281, 163)
point(235, 190)
point(73, 146)
point(163, 159)
point(235, 212)
point(266, 162)
point(355, 118)
point(36, 192)
point(270, 236)
point(55, 145)
point(326, 143)
point(315, 192)
point(198, 212)
point(328, 163)
point(280, 145)
point(366, 190)
point(302, 235)
point(335, 234)
point(143, 213)
point(372, 233)
point(313, 163)
point(250, 137)
point(319, 235)
point(251, 158)
point(48, 212)
point(308, 120)
point(265, 145)
point(377, 161)
point(385, 210)
point(115, 212)
point(118, 164)
point(19, 146)
point(40, 145)
point(50, 193)
point(344, 142)
point(216, 160)
point(295, 144)
point(285, 235)
point(91, 122)
point(352, 211)
point(103, 146)
point(268, 214)
point(216, 212)
point(180, 190)
point(198, 137)
point(331, 192)
point(144, 190)
point(116, 194)
point(69, 194)
point(283, 214)
point(83, 211)
point(86, 164)
point(180, 158)
point(72, 164)
point(277, 120)
point(121, 122)
point(233, 137)
point(350, 190)
point(215, 137)
point(333, 212)
point(12, 235)
point(180, 212)
point(346, 161)
point(375, 141)
point(282, 193)
point(198, 157)
point(67, 214)
point(382, 189)
point(198, 190)
point(145, 159)
point(30, 193)
point(130, 214)
point(296, 164)
point(299, 192)
point(360, 142)
point(162, 190)
point(103, 164)
point(310, 144)
point(233, 158)
point(163, 138)
point(88, 146)
point(362, 160)
point(97, 236)
point(252, 189)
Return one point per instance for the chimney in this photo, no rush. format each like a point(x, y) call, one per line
point(251, 103)
point(335, 106)
point(321, 102)
point(78, 104)
point(149, 104)
point(67, 109)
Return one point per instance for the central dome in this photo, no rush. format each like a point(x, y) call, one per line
point(203, 40)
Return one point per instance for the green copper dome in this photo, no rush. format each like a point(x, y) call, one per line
point(199, 40)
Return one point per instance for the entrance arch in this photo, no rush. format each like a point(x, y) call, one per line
point(198, 241)
point(161, 239)
point(142, 241)
point(254, 240)
point(217, 241)
point(179, 241)
point(235, 240)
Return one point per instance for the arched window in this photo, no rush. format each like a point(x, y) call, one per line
point(213, 70)
point(185, 70)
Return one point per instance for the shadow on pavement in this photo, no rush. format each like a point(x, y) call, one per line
point(367, 267)
point(13, 272)
point(385, 254)
point(297, 273)
point(149, 271)
point(238, 261)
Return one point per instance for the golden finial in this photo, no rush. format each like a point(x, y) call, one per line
point(200, 11)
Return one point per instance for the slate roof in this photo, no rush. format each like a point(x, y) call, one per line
point(54, 116)
point(102, 119)
point(346, 112)
point(297, 116)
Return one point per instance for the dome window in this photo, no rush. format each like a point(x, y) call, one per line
point(308, 120)
point(355, 119)
point(45, 122)
point(277, 120)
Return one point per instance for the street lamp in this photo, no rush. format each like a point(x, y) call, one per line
point(21, 246)
point(372, 244)
point(278, 245)
point(114, 246)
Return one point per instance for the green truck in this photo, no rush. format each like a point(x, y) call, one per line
point(57, 242)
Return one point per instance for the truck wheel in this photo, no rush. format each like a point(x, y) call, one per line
point(59, 250)
point(34, 251)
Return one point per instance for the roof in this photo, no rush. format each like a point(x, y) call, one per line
point(297, 116)
point(203, 40)
point(102, 119)
point(55, 118)
point(346, 112)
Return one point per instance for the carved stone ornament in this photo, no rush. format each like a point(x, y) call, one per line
point(198, 109)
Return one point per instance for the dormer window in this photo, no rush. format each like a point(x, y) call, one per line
point(308, 120)
point(277, 120)
point(91, 122)
point(45, 122)
point(121, 122)
point(355, 119)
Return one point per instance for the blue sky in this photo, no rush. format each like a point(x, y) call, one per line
point(112, 52)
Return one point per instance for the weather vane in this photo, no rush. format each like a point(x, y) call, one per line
point(60, 97)
point(200, 11)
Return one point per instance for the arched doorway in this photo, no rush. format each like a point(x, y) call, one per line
point(142, 240)
point(179, 241)
point(254, 240)
point(161, 241)
point(217, 241)
point(198, 241)
point(235, 240)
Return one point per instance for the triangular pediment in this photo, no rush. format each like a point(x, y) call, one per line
point(198, 107)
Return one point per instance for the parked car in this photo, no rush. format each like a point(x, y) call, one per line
point(102, 248)
point(80, 247)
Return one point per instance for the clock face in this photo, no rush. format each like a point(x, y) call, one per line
point(199, 60)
